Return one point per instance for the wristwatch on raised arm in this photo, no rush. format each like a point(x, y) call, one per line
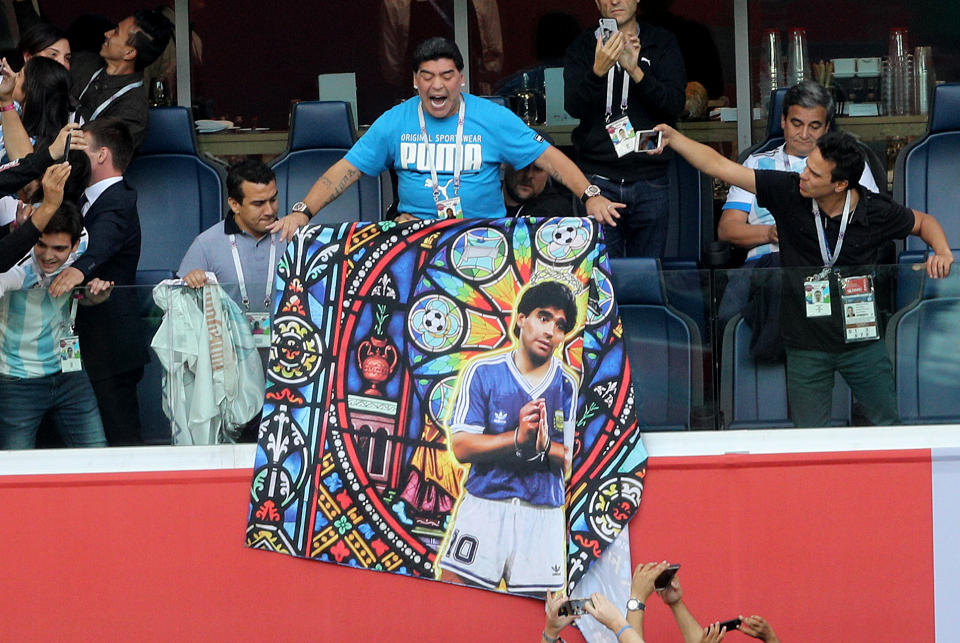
point(592, 190)
point(302, 208)
point(634, 605)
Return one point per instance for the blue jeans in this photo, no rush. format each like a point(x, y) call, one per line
point(642, 228)
point(70, 398)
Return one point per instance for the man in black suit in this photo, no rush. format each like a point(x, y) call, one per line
point(111, 335)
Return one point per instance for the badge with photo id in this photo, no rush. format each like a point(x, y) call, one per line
point(260, 328)
point(623, 136)
point(859, 307)
point(449, 209)
point(70, 361)
point(816, 294)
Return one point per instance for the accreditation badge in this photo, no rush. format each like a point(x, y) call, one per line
point(449, 209)
point(623, 136)
point(260, 328)
point(816, 295)
point(70, 361)
point(859, 306)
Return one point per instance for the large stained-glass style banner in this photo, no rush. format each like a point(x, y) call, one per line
point(448, 400)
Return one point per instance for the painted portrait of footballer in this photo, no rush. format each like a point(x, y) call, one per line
point(512, 422)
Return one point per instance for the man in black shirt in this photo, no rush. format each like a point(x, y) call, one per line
point(111, 85)
point(633, 80)
point(530, 193)
point(829, 232)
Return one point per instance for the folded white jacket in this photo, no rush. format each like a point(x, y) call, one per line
point(213, 382)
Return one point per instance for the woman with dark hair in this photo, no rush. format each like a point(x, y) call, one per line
point(47, 41)
point(42, 88)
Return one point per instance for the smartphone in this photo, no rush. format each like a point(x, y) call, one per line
point(66, 148)
point(608, 27)
point(663, 580)
point(574, 607)
point(731, 625)
point(648, 140)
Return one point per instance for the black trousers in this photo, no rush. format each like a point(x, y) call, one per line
point(119, 408)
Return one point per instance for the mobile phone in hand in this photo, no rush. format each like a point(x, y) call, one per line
point(662, 581)
point(648, 140)
point(608, 27)
point(574, 607)
point(731, 625)
point(66, 148)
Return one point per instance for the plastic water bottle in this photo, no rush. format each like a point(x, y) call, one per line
point(527, 102)
point(771, 66)
point(798, 58)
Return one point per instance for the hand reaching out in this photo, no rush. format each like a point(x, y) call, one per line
point(643, 579)
point(600, 608)
point(53, 182)
point(758, 628)
point(713, 634)
point(556, 623)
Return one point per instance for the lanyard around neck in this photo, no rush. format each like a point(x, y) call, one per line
point(120, 92)
point(431, 158)
point(71, 320)
point(828, 259)
point(623, 93)
point(785, 159)
point(271, 268)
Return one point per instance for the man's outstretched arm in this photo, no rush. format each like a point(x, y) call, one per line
point(328, 187)
point(562, 169)
point(708, 160)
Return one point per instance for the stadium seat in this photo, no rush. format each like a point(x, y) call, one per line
point(690, 223)
point(179, 193)
point(321, 133)
point(922, 340)
point(774, 136)
point(925, 177)
point(663, 346)
point(754, 395)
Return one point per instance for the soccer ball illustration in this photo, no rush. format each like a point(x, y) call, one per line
point(435, 323)
point(563, 239)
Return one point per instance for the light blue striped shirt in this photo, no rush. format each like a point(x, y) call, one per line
point(32, 322)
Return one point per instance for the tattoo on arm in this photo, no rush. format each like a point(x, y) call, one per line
point(553, 172)
point(337, 190)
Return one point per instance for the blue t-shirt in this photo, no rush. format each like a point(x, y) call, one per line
point(492, 134)
point(492, 392)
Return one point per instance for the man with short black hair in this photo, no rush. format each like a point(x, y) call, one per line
point(111, 334)
point(830, 231)
point(111, 84)
point(446, 147)
point(40, 366)
point(239, 250)
point(513, 422)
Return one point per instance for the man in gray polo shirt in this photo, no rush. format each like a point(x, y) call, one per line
point(239, 250)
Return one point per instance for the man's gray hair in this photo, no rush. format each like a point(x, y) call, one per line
point(809, 94)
